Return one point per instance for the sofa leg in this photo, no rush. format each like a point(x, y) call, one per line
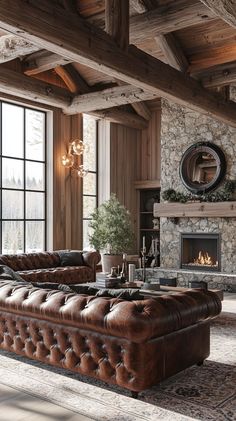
point(200, 363)
point(134, 394)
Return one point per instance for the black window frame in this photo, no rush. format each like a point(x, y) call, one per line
point(24, 160)
point(90, 172)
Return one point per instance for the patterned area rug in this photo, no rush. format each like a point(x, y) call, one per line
point(198, 393)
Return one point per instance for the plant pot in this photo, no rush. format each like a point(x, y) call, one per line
point(111, 260)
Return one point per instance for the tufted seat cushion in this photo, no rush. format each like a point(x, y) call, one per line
point(29, 261)
point(63, 275)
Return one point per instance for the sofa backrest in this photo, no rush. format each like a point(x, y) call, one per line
point(28, 261)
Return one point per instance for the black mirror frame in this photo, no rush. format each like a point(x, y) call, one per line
point(218, 155)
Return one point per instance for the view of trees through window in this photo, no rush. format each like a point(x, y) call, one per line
point(90, 180)
point(23, 179)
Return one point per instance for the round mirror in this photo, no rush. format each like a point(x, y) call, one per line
point(202, 167)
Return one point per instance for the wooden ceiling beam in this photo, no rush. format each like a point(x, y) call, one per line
point(168, 18)
point(142, 6)
point(14, 83)
point(117, 21)
point(111, 97)
point(42, 61)
point(65, 75)
point(82, 42)
point(225, 9)
point(114, 115)
point(12, 47)
point(142, 110)
point(121, 117)
point(173, 52)
point(219, 76)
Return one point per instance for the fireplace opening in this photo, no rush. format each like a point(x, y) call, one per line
point(200, 252)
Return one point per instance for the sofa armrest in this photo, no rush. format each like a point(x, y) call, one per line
point(92, 258)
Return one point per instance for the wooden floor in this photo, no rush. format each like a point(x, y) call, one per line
point(20, 406)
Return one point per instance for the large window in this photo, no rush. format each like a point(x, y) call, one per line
point(90, 180)
point(23, 179)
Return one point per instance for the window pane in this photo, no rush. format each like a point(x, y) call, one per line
point(12, 237)
point(34, 205)
point(12, 173)
point(12, 130)
point(35, 232)
point(89, 204)
point(90, 184)
point(89, 138)
point(86, 232)
point(12, 204)
point(35, 135)
point(35, 176)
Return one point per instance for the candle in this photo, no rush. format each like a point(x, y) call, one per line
point(131, 272)
point(144, 242)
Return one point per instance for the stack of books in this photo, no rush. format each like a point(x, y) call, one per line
point(107, 282)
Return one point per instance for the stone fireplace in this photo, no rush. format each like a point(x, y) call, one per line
point(180, 128)
point(200, 252)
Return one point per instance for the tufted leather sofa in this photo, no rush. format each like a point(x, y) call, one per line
point(134, 344)
point(46, 267)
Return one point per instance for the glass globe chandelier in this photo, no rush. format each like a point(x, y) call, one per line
point(76, 147)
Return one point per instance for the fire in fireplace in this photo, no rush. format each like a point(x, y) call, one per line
point(200, 251)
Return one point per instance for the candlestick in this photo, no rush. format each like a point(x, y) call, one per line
point(143, 242)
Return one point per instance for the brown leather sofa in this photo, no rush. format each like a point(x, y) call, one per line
point(62, 267)
point(134, 344)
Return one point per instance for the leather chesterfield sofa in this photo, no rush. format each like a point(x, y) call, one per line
point(62, 267)
point(134, 344)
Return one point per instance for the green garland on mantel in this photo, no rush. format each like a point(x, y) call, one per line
point(222, 195)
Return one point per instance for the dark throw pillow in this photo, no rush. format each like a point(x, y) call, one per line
point(124, 294)
point(9, 274)
point(71, 258)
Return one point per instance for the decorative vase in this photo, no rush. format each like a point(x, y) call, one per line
point(111, 260)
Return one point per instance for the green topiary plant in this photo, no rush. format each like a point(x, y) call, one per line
point(112, 231)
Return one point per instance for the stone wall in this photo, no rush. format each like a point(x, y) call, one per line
point(180, 128)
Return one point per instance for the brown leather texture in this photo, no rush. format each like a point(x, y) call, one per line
point(46, 267)
point(133, 344)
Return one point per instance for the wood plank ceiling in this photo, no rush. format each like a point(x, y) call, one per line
point(184, 50)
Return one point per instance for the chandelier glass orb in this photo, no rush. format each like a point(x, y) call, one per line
point(76, 147)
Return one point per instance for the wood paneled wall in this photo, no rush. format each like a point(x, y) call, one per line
point(124, 143)
point(149, 153)
point(67, 186)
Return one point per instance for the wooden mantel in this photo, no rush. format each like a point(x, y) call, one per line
point(196, 209)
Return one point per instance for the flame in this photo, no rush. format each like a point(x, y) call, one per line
point(204, 259)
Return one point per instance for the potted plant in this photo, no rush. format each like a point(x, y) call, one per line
point(112, 232)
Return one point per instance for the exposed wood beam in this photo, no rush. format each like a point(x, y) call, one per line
point(117, 26)
point(173, 52)
point(122, 117)
point(64, 73)
point(12, 47)
point(97, 50)
point(162, 20)
point(212, 57)
point(14, 83)
point(142, 109)
point(142, 6)
point(42, 61)
point(117, 21)
point(112, 97)
point(225, 9)
point(219, 76)
point(168, 18)
point(113, 114)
